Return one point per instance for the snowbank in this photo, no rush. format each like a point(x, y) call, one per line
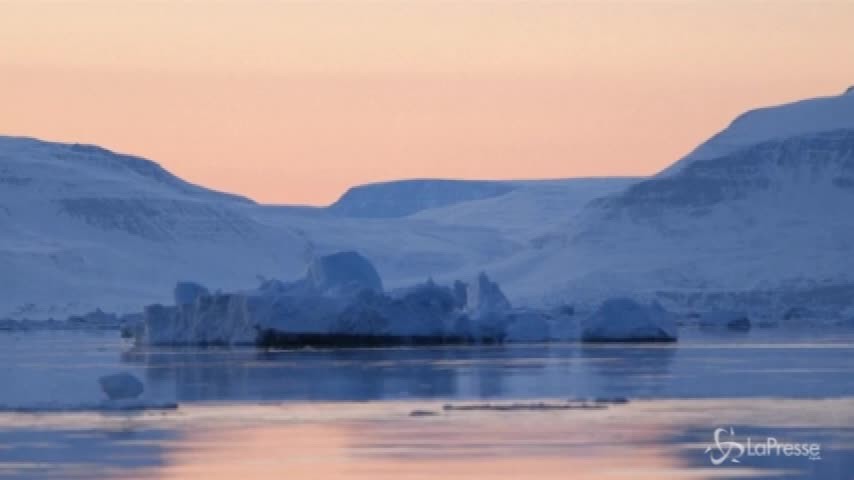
point(624, 320)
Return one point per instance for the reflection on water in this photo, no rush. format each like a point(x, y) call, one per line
point(30, 450)
point(249, 414)
point(454, 449)
point(692, 371)
point(378, 440)
point(63, 368)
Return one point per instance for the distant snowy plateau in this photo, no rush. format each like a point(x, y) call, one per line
point(758, 218)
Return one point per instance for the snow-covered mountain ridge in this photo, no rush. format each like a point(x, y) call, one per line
point(764, 217)
point(26, 160)
point(82, 227)
point(406, 197)
point(785, 168)
point(762, 124)
point(756, 215)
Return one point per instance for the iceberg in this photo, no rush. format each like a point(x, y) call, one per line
point(625, 320)
point(121, 386)
point(731, 320)
point(485, 297)
point(422, 315)
point(528, 326)
point(94, 320)
point(339, 302)
point(218, 319)
point(186, 293)
point(343, 273)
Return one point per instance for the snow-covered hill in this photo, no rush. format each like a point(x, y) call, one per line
point(82, 227)
point(531, 209)
point(757, 216)
point(405, 197)
point(792, 119)
point(761, 209)
point(513, 205)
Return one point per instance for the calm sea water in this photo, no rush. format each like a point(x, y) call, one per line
point(321, 414)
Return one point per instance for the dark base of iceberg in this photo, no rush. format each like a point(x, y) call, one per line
point(277, 339)
point(117, 406)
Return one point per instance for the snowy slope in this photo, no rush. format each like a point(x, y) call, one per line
point(769, 123)
point(405, 197)
point(82, 227)
point(405, 251)
point(768, 215)
point(532, 209)
point(759, 210)
point(449, 241)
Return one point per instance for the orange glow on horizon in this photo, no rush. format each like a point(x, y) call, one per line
point(293, 102)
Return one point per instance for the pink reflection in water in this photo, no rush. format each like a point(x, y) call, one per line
point(606, 444)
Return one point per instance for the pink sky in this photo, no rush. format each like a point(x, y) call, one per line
point(292, 102)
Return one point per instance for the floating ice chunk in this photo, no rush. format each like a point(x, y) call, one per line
point(528, 326)
point(624, 320)
point(219, 319)
point(132, 325)
point(96, 318)
point(485, 296)
point(725, 319)
point(534, 325)
point(186, 293)
point(121, 386)
point(343, 273)
point(460, 293)
point(564, 326)
point(340, 302)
